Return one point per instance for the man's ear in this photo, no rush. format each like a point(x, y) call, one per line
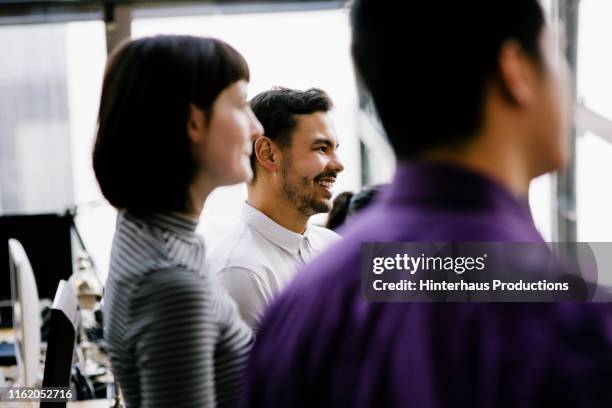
point(196, 124)
point(517, 74)
point(264, 150)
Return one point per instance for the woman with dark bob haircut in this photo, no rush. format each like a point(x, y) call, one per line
point(173, 125)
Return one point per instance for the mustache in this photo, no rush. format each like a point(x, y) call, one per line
point(326, 174)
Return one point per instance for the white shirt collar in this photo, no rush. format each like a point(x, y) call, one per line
point(273, 231)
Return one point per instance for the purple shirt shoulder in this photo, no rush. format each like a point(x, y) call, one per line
point(322, 345)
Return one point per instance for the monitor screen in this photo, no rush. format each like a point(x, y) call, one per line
point(46, 239)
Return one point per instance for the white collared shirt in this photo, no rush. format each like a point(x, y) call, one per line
point(260, 257)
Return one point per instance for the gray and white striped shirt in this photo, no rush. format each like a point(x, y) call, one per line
point(175, 337)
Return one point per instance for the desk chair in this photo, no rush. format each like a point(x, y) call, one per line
point(63, 326)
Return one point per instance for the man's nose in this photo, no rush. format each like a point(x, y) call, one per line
point(336, 165)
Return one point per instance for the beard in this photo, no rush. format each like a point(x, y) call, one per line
point(301, 192)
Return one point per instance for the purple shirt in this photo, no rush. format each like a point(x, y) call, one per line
point(322, 345)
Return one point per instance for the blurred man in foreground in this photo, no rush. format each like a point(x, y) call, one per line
point(487, 112)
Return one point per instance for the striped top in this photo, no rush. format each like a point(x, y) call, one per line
point(175, 337)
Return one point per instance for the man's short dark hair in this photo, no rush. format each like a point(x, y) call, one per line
point(427, 69)
point(142, 156)
point(277, 108)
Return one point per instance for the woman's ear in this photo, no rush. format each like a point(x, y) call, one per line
point(264, 153)
point(196, 124)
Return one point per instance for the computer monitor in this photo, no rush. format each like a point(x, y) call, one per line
point(26, 315)
point(47, 238)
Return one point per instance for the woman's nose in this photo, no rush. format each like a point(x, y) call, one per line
point(256, 127)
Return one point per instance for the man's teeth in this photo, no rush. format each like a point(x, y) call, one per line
point(327, 184)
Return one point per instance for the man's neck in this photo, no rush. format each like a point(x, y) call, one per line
point(277, 208)
point(500, 163)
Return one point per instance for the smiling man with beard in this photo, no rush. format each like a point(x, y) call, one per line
point(295, 165)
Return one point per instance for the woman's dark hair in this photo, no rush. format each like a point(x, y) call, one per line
point(142, 156)
point(428, 71)
point(348, 204)
point(339, 210)
point(363, 199)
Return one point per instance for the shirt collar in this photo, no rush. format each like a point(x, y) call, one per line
point(453, 186)
point(272, 231)
point(170, 222)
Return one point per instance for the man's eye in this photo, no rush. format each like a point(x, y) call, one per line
point(322, 149)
